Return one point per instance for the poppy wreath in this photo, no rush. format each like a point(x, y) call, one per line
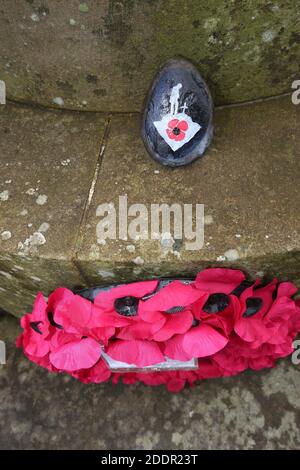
point(225, 322)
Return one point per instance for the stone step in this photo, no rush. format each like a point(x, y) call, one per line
point(58, 167)
point(103, 55)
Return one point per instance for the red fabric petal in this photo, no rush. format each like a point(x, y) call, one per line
point(78, 354)
point(182, 125)
point(225, 320)
point(280, 334)
point(138, 352)
point(140, 330)
point(229, 360)
point(252, 329)
point(170, 134)
point(152, 378)
point(39, 309)
point(174, 294)
point(173, 123)
point(261, 363)
point(203, 341)
point(75, 315)
point(61, 337)
point(282, 309)
point(266, 294)
point(39, 315)
point(175, 385)
point(34, 343)
point(287, 289)
point(176, 323)
point(150, 316)
point(197, 307)
point(129, 378)
point(173, 348)
point(207, 368)
point(214, 280)
point(105, 300)
point(179, 137)
point(111, 318)
point(99, 373)
point(57, 297)
point(102, 334)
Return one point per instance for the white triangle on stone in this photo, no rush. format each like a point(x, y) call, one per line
point(162, 127)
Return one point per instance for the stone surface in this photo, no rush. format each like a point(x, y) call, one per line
point(59, 167)
point(178, 117)
point(247, 180)
point(39, 410)
point(47, 166)
point(103, 54)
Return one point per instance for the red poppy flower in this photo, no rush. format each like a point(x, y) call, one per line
point(251, 324)
point(214, 316)
point(120, 307)
point(170, 304)
point(105, 303)
point(33, 341)
point(215, 280)
point(72, 312)
point(176, 129)
point(75, 314)
point(36, 329)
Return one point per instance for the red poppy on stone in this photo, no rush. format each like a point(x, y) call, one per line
point(176, 129)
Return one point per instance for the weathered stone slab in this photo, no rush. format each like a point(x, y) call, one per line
point(248, 181)
point(22, 277)
point(40, 410)
point(47, 166)
point(103, 54)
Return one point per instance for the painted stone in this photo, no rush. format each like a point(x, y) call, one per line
point(177, 123)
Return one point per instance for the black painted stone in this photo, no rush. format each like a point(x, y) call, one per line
point(195, 97)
